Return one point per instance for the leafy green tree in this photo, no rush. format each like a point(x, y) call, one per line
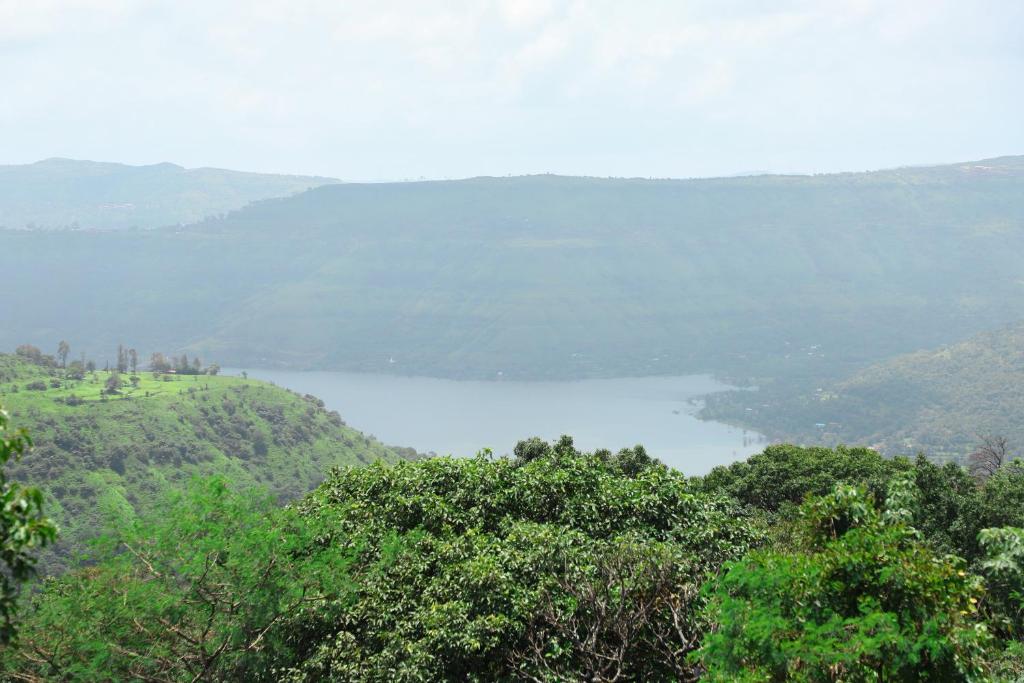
point(1003, 568)
point(947, 509)
point(23, 529)
point(537, 566)
point(785, 474)
point(1002, 497)
point(198, 592)
point(862, 598)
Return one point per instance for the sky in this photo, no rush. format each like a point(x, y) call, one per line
point(392, 90)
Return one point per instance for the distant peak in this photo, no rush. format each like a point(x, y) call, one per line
point(65, 161)
point(61, 161)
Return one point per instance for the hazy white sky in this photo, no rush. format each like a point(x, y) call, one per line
point(388, 90)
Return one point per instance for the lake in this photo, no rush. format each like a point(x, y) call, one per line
point(461, 417)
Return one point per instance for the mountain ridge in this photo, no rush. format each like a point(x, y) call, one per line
point(60, 193)
point(551, 277)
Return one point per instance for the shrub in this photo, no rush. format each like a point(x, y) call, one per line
point(861, 599)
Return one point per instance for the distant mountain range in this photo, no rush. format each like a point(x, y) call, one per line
point(66, 193)
point(547, 276)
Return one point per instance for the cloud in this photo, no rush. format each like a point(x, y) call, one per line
point(400, 88)
point(22, 21)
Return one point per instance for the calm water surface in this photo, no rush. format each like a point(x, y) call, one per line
point(461, 417)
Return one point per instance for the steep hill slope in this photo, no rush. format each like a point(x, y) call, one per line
point(94, 451)
point(940, 401)
point(550, 276)
point(64, 193)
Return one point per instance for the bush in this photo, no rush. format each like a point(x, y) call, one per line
point(861, 599)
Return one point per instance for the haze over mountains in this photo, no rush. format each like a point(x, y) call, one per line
point(68, 193)
point(940, 401)
point(547, 276)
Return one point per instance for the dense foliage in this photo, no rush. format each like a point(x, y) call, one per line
point(549, 276)
point(950, 507)
point(556, 565)
point(194, 593)
point(103, 452)
point(23, 528)
point(495, 553)
point(861, 598)
point(443, 569)
point(785, 474)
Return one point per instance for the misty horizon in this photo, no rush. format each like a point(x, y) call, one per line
point(512, 87)
point(724, 176)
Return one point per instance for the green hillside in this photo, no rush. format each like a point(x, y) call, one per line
point(548, 276)
point(67, 193)
point(939, 401)
point(95, 453)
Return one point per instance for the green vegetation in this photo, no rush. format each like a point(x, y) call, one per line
point(546, 277)
point(23, 529)
point(860, 598)
point(941, 402)
point(192, 591)
point(65, 193)
point(555, 565)
point(110, 443)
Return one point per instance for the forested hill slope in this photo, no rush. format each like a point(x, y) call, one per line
point(66, 193)
point(942, 401)
point(95, 452)
point(550, 276)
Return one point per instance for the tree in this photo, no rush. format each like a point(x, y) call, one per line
point(76, 370)
point(202, 588)
point(992, 453)
point(23, 529)
point(783, 475)
point(159, 363)
point(122, 359)
point(133, 360)
point(34, 355)
point(632, 615)
point(1002, 497)
point(540, 568)
point(114, 383)
point(1003, 569)
point(63, 349)
point(860, 598)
